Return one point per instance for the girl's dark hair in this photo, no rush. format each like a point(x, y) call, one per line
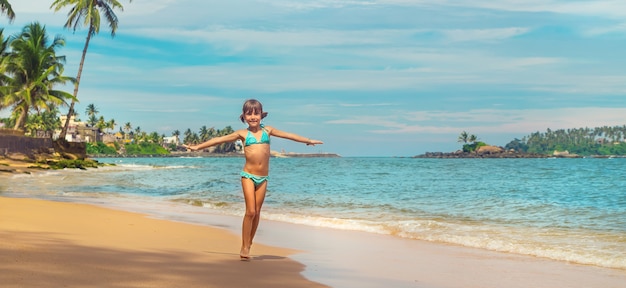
point(251, 106)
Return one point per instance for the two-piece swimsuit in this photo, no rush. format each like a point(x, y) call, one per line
point(251, 140)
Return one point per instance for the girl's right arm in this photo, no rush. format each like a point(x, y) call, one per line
point(215, 141)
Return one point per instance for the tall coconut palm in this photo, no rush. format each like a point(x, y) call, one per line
point(111, 125)
point(5, 8)
point(4, 52)
point(91, 110)
point(33, 69)
point(463, 138)
point(87, 13)
point(128, 127)
point(203, 133)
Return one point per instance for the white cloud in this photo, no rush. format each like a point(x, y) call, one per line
point(489, 120)
point(465, 35)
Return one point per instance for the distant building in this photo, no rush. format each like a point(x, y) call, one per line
point(79, 131)
point(171, 140)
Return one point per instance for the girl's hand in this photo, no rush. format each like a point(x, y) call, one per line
point(189, 148)
point(313, 142)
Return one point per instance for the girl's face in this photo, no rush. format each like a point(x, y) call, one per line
point(253, 118)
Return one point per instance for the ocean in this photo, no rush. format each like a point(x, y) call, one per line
point(570, 210)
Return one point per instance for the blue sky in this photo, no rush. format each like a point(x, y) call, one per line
point(369, 78)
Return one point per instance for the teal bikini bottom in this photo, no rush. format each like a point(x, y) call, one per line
point(258, 180)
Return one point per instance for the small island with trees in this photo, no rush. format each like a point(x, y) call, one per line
point(599, 142)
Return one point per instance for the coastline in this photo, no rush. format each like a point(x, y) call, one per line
point(190, 247)
point(342, 258)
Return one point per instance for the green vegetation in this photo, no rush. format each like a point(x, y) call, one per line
point(582, 141)
point(28, 73)
point(471, 142)
point(205, 134)
point(100, 148)
point(145, 148)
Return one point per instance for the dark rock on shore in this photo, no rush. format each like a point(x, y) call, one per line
point(493, 153)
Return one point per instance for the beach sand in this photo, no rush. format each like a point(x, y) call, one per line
point(57, 244)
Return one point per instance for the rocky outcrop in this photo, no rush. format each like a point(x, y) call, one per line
point(491, 152)
point(489, 149)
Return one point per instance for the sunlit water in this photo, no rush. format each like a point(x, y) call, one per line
point(564, 209)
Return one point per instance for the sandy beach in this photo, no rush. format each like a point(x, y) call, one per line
point(55, 244)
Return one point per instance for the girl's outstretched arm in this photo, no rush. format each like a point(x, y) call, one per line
point(293, 137)
point(215, 141)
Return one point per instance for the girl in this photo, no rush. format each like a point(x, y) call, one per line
point(254, 175)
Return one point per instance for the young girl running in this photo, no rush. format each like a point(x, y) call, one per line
point(255, 173)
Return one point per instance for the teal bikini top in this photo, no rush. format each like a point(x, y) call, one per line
point(265, 138)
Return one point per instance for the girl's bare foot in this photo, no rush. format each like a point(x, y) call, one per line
point(244, 254)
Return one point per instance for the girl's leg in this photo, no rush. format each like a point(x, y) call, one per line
point(259, 199)
point(254, 197)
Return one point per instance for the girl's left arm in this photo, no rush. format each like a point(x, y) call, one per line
point(293, 137)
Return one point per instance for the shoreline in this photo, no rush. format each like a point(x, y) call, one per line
point(46, 244)
point(341, 258)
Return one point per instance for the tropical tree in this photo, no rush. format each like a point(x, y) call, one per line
point(91, 110)
point(92, 120)
point(5, 8)
point(463, 138)
point(128, 127)
point(4, 52)
point(111, 125)
point(43, 121)
point(203, 133)
point(225, 147)
point(87, 13)
point(30, 72)
point(101, 123)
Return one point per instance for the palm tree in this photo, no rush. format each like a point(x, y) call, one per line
point(91, 110)
point(33, 69)
point(5, 8)
point(92, 120)
point(128, 127)
point(101, 123)
point(4, 52)
point(92, 113)
point(472, 138)
point(87, 12)
point(463, 137)
point(203, 133)
point(111, 125)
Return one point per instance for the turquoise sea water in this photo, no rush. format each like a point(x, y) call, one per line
point(564, 209)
